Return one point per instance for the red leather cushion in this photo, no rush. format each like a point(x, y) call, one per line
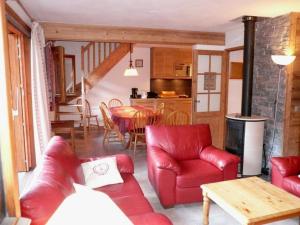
point(181, 142)
point(48, 189)
point(292, 185)
point(60, 150)
point(197, 172)
point(128, 188)
point(133, 205)
point(150, 219)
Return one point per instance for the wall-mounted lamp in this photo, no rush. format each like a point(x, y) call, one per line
point(283, 60)
point(130, 71)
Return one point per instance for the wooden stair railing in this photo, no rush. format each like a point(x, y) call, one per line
point(98, 58)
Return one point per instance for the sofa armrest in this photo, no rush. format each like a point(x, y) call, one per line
point(162, 159)
point(286, 166)
point(219, 158)
point(124, 162)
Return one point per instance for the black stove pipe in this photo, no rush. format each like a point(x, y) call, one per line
point(249, 38)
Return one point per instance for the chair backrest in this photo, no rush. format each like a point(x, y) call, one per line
point(183, 142)
point(115, 102)
point(178, 118)
point(160, 107)
point(163, 114)
point(87, 106)
point(141, 119)
point(108, 123)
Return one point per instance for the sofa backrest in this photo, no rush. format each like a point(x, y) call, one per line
point(52, 183)
point(182, 142)
point(59, 149)
point(50, 186)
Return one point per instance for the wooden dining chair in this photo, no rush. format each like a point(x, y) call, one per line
point(115, 102)
point(140, 120)
point(160, 107)
point(111, 130)
point(178, 118)
point(88, 113)
point(163, 114)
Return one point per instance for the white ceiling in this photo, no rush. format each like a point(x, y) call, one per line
point(198, 15)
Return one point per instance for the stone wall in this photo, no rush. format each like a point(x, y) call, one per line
point(272, 37)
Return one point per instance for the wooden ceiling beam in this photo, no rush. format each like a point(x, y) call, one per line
point(75, 32)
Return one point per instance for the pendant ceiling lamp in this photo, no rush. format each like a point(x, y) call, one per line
point(130, 71)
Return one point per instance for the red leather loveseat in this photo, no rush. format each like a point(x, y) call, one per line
point(285, 171)
point(54, 182)
point(181, 158)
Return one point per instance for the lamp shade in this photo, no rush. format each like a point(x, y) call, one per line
point(283, 60)
point(131, 72)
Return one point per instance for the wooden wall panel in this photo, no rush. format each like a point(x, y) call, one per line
point(291, 145)
point(6, 138)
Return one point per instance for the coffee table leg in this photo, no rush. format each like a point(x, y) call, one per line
point(206, 205)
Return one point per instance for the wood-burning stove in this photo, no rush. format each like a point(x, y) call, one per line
point(244, 136)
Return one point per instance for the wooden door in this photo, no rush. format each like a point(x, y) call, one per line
point(60, 77)
point(209, 92)
point(17, 101)
point(70, 73)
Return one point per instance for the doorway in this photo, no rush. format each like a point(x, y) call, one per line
point(234, 63)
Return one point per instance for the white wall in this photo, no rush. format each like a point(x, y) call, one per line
point(116, 85)
point(234, 38)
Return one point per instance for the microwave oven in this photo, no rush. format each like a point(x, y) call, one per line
point(183, 70)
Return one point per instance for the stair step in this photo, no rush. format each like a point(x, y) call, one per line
point(69, 113)
point(67, 104)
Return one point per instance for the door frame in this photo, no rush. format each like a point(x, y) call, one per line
point(227, 52)
point(223, 101)
point(26, 96)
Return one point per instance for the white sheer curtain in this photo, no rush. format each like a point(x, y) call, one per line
point(40, 100)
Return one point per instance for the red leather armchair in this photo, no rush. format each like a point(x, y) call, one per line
point(181, 158)
point(285, 171)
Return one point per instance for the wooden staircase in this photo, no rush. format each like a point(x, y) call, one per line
point(98, 58)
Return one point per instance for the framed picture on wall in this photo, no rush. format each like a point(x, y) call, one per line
point(138, 63)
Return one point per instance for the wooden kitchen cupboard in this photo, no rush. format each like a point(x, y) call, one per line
point(163, 61)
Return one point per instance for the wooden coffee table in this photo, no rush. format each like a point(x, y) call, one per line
point(250, 201)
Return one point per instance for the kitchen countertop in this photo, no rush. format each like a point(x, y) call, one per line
point(161, 98)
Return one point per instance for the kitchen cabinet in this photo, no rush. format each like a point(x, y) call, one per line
point(164, 60)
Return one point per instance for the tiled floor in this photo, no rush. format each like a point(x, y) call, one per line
point(185, 214)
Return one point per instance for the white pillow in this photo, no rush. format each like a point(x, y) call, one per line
point(87, 206)
point(101, 172)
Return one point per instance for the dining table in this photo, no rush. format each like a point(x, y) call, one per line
point(123, 116)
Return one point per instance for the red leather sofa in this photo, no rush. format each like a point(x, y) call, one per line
point(285, 171)
point(54, 182)
point(181, 158)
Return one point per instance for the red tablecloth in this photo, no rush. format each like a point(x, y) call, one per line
point(122, 116)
